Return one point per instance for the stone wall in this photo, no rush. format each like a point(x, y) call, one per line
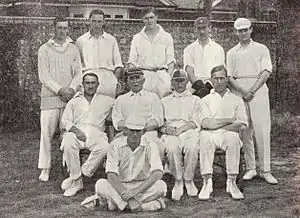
point(19, 85)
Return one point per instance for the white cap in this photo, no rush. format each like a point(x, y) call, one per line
point(133, 123)
point(242, 23)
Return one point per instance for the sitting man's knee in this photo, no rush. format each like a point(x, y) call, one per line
point(101, 186)
point(161, 186)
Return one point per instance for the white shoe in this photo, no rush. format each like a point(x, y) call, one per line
point(232, 188)
point(191, 188)
point(44, 176)
point(206, 190)
point(66, 183)
point(177, 190)
point(249, 174)
point(90, 202)
point(154, 205)
point(269, 178)
point(76, 186)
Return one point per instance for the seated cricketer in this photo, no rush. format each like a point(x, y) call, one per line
point(181, 134)
point(84, 119)
point(223, 117)
point(145, 106)
point(133, 174)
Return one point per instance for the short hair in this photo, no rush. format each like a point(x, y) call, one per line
point(97, 11)
point(148, 10)
point(217, 69)
point(90, 74)
point(60, 18)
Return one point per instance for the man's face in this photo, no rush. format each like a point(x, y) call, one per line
point(61, 30)
point(135, 82)
point(134, 137)
point(96, 23)
point(90, 85)
point(179, 84)
point(150, 20)
point(219, 81)
point(202, 32)
point(244, 34)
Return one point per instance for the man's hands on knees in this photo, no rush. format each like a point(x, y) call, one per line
point(79, 134)
point(129, 195)
point(66, 93)
point(134, 205)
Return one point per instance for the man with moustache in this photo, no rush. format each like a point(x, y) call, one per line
point(100, 52)
point(249, 65)
point(152, 50)
point(84, 120)
point(59, 71)
point(200, 57)
point(145, 106)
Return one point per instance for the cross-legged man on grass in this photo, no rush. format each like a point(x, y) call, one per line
point(223, 117)
point(133, 171)
point(84, 120)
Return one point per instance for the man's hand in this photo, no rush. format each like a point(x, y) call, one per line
point(179, 130)
point(248, 96)
point(170, 130)
point(128, 194)
point(79, 134)
point(134, 205)
point(66, 94)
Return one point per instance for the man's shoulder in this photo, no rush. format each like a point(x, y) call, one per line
point(190, 46)
point(83, 37)
point(215, 44)
point(105, 98)
point(233, 49)
point(259, 45)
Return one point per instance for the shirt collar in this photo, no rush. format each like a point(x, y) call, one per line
point(104, 35)
point(210, 42)
point(183, 94)
point(213, 92)
point(157, 35)
point(52, 42)
point(140, 93)
point(240, 45)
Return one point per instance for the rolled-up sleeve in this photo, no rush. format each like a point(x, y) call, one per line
point(77, 71)
point(112, 162)
point(67, 120)
point(170, 57)
point(266, 63)
point(117, 114)
point(157, 110)
point(116, 55)
point(133, 55)
point(188, 58)
point(196, 113)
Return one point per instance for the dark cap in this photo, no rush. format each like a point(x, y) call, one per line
point(134, 71)
point(201, 22)
point(179, 74)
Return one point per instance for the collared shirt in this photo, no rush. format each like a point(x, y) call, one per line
point(102, 52)
point(229, 106)
point(181, 107)
point(134, 165)
point(143, 105)
point(87, 116)
point(60, 47)
point(248, 61)
point(158, 53)
point(203, 59)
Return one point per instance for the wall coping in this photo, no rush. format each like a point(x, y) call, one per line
point(38, 20)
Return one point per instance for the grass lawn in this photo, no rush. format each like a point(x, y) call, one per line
point(22, 195)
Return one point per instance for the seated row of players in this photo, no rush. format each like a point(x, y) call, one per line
point(133, 165)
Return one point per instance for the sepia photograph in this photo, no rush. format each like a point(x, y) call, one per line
point(149, 108)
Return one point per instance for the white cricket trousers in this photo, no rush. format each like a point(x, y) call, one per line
point(258, 110)
point(226, 140)
point(158, 82)
point(50, 120)
point(97, 143)
point(105, 191)
point(182, 153)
